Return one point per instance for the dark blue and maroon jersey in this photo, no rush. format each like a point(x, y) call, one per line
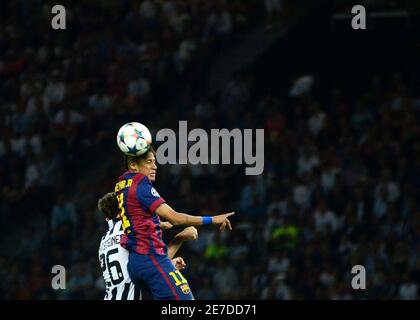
point(137, 201)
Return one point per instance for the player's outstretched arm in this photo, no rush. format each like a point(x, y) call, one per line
point(178, 218)
point(189, 233)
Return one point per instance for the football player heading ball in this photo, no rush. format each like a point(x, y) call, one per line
point(141, 208)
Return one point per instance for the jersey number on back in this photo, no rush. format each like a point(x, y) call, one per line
point(106, 265)
point(125, 222)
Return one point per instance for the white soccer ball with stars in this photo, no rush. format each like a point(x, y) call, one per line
point(134, 139)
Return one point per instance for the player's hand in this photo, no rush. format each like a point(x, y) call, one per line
point(223, 220)
point(179, 263)
point(189, 233)
point(166, 225)
point(225, 224)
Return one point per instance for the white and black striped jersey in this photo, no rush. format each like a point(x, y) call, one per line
point(113, 260)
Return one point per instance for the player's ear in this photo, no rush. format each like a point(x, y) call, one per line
point(132, 166)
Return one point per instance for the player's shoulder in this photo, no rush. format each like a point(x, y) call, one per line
point(139, 179)
point(115, 228)
point(132, 175)
point(147, 185)
point(112, 236)
point(145, 180)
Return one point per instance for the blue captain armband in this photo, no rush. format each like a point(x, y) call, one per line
point(207, 220)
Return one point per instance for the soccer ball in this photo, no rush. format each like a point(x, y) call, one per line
point(134, 139)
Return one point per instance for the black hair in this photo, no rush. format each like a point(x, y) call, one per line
point(129, 159)
point(108, 204)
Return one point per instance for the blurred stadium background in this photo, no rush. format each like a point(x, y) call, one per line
point(340, 110)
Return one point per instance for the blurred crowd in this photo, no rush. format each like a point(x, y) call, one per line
point(339, 190)
point(341, 170)
point(377, 5)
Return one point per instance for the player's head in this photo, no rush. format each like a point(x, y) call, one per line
point(108, 204)
point(144, 164)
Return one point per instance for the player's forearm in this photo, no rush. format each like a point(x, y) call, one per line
point(179, 218)
point(174, 246)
